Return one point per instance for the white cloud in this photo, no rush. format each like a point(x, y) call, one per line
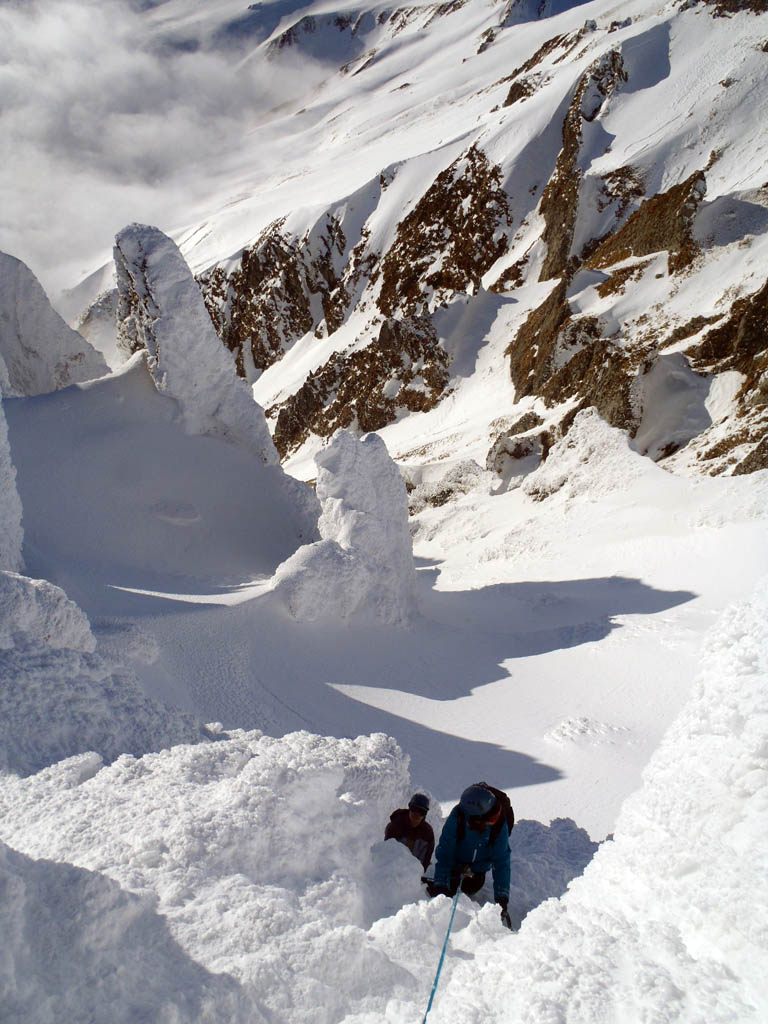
point(105, 119)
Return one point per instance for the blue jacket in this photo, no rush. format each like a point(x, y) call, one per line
point(476, 849)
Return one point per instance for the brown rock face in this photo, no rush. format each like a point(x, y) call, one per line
point(724, 8)
point(265, 304)
point(405, 368)
point(663, 222)
point(560, 199)
point(520, 90)
point(741, 343)
point(559, 357)
point(461, 223)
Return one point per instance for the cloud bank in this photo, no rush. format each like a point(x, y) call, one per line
point(108, 114)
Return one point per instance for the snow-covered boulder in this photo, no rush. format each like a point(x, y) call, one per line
point(11, 533)
point(364, 561)
point(41, 353)
point(161, 309)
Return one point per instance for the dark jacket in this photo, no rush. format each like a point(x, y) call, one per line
point(475, 848)
point(420, 840)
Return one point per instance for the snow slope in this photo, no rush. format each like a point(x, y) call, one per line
point(260, 855)
point(586, 630)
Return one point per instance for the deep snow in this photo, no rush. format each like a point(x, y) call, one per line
point(152, 867)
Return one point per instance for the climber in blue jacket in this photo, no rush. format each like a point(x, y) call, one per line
point(475, 838)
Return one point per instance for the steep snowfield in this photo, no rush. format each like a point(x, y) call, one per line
point(587, 631)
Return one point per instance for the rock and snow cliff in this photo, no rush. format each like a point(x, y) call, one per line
point(527, 243)
point(650, 232)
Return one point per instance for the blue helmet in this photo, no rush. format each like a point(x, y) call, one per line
point(477, 801)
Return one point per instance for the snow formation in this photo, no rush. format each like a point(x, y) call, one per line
point(364, 561)
point(154, 868)
point(40, 352)
point(160, 309)
point(61, 696)
point(263, 857)
point(11, 534)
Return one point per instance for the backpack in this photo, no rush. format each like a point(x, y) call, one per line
point(507, 814)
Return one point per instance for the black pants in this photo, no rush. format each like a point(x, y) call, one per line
point(470, 885)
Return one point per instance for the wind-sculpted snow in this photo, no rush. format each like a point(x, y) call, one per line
point(11, 531)
point(37, 610)
point(265, 859)
point(161, 310)
point(258, 853)
point(77, 947)
point(60, 696)
point(364, 562)
point(40, 352)
point(668, 921)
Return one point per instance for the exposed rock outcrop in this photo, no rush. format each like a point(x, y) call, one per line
point(41, 353)
point(664, 221)
point(364, 563)
point(741, 344)
point(454, 233)
point(560, 199)
point(405, 368)
point(276, 290)
point(561, 357)
point(725, 8)
point(161, 310)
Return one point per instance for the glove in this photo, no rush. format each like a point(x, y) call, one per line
point(506, 920)
point(433, 889)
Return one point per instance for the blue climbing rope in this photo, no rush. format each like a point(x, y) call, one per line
point(442, 955)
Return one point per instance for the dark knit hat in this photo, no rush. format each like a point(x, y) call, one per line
point(419, 802)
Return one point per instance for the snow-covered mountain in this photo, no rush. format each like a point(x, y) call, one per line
point(589, 188)
point(496, 275)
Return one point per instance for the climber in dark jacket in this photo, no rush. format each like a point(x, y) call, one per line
point(409, 826)
point(475, 838)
